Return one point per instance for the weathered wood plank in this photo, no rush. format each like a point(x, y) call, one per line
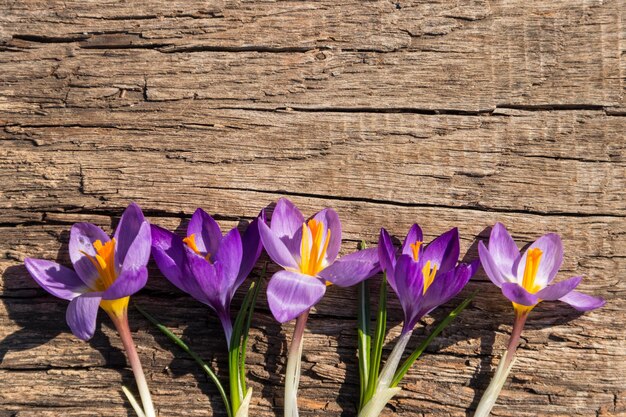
point(474, 57)
point(408, 159)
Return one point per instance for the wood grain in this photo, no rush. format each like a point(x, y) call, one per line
point(443, 113)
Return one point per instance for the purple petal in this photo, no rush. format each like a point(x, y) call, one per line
point(518, 294)
point(252, 248)
point(414, 235)
point(330, 219)
point(275, 248)
point(409, 288)
point(207, 232)
point(127, 230)
point(582, 302)
point(82, 237)
point(286, 223)
point(444, 250)
point(210, 281)
point(58, 280)
point(229, 256)
point(558, 290)
point(289, 294)
point(551, 259)
point(503, 251)
point(489, 265)
point(168, 251)
point(387, 256)
point(81, 315)
point(138, 254)
point(127, 283)
point(447, 285)
point(353, 268)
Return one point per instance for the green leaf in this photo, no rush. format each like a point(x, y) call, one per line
point(420, 349)
point(364, 337)
point(246, 330)
point(167, 332)
point(379, 340)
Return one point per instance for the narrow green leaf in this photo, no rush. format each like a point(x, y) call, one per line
point(379, 341)
point(420, 349)
point(246, 330)
point(364, 338)
point(167, 332)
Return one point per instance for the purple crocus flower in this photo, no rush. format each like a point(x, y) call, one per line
point(206, 265)
point(423, 278)
point(526, 278)
point(307, 250)
point(106, 270)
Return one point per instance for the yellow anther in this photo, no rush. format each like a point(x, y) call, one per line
point(313, 247)
point(429, 275)
point(533, 257)
point(415, 247)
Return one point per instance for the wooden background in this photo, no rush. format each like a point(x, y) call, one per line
point(445, 113)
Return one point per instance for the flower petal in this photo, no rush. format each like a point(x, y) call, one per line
point(489, 265)
point(558, 290)
point(252, 248)
point(58, 280)
point(447, 285)
point(138, 253)
point(353, 268)
point(210, 282)
point(168, 251)
point(82, 237)
point(289, 294)
point(551, 259)
point(414, 235)
point(583, 302)
point(409, 288)
point(229, 256)
point(129, 226)
point(127, 283)
point(81, 314)
point(504, 251)
point(207, 232)
point(330, 219)
point(387, 256)
point(286, 223)
point(444, 250)
point(517, 294)
point(275, 248)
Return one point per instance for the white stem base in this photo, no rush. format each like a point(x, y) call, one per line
point(375, 406)
point(245, 405)
point(491, 394)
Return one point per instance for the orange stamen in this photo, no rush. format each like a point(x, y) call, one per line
point(313, 247)
point(429, 275)
point(533, 257)
point(191, 242)
point(415, 247)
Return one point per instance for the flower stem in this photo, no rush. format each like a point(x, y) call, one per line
point(389, 370)
point(121, 324)
point(292, 375)
point(504, 368)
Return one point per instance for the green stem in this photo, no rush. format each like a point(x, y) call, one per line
point(364, 338)
point(420, 349)
point(246, 330)
point(379, 340)
point(207, 370)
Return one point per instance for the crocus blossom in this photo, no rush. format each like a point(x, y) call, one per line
point(423, 278)
point(107, 271)
point(206, 265)
point(307, 250)
point(525, 279)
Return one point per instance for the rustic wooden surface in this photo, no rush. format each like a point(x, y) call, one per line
point(446, 113)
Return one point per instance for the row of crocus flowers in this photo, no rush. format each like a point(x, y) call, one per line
point(211, 266)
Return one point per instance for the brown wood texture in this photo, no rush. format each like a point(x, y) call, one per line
point(446, 113)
